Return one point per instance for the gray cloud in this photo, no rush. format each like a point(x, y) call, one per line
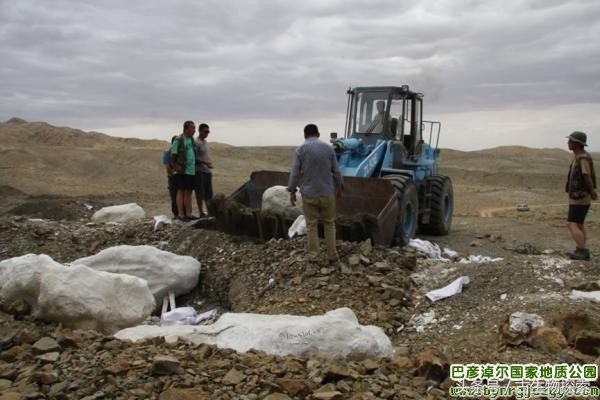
point(99, 64)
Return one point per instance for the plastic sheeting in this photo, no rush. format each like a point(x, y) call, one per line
point(580, 295)
point(434, 252)
point(336, 333)
point(431, 250)
point(119, 214)
point(298, 228)
point(77, 297)
point(164, 271)
point(185, 316)
point(449, 290)
point(161, 220)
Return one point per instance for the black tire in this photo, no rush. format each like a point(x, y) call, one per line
point(408, 202)
point(442, 206)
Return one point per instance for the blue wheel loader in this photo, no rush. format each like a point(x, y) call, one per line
point(389, 159)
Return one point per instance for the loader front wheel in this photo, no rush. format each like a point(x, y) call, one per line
point(408, 202)
point(442, 206)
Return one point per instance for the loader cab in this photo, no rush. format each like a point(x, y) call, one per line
point(386, 113)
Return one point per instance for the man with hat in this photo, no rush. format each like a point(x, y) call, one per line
point(581, 185)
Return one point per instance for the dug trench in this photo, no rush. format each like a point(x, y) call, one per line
point(238, 274)
point(274, 278)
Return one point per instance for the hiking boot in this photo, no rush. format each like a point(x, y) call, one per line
point(580, 254)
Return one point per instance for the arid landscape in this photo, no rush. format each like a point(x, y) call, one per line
point(51, 176)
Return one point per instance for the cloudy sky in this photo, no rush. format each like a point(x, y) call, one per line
point(493, 72)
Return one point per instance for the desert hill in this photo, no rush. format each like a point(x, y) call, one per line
point(39, 158)
point(20, 132)
point(507, 166)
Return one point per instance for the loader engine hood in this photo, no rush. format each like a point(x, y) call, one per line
point(348, 145)
point(356, 158)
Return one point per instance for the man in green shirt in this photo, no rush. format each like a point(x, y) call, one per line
point(183, 159)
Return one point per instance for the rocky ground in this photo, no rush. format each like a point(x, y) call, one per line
point(383, 286)
point(46, 361)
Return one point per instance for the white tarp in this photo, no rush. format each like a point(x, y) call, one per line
point(121, 213)
point(77, 297)
point(449, 290)
point(277, 200)
point(453, 255)
point(185, 316)
point(161, 220)
point(434, 252)
point(298, 227)
point(580, 295)
point(479, 259)
point(336, 333)
point(431, 250)
point(164, 271)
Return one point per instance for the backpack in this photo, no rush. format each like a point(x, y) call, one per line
point(166, 157)
point(180, 159)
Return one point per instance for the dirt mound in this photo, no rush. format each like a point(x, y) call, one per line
point(274, 278)
point(52, 208)
point(68, 240)
point(9, 191)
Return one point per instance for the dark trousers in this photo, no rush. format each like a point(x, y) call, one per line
point(173, 194)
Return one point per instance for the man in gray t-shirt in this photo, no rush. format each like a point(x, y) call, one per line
point(203, 184)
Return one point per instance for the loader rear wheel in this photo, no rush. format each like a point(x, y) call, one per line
point(442, 205)
point(408, 202)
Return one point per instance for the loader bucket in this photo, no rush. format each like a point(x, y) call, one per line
point(368, 209)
